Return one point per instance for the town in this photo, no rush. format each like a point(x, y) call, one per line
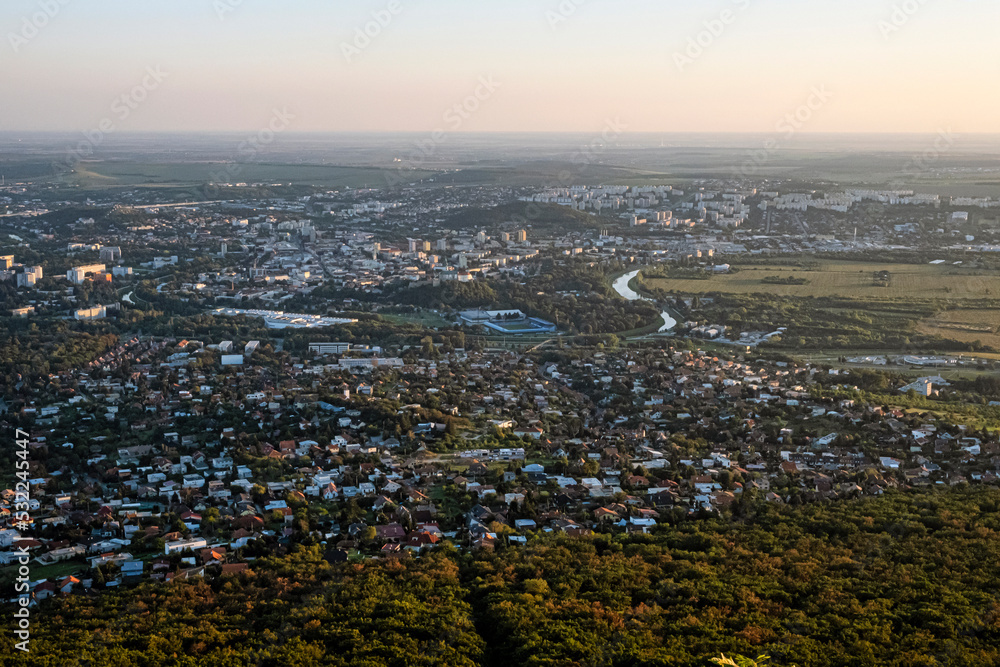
point(159, 457)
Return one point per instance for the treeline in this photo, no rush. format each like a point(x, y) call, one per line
point(370, 329)
point(903, 580)
point(33, 352)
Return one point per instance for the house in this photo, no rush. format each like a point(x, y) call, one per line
point(390, 533)
point(603, 514)
point(66, 585)
point(419, 541)
point(132, 571)
point(184, 545)
point(533, 432)
point(44, 590)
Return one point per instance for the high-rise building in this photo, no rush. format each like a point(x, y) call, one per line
point(522, 236)
point(78, 274)
point(111, 254)
point(95, 313)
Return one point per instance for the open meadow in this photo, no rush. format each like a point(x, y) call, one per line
point(966, 325)
point(847, 279)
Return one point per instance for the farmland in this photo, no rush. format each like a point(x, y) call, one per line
point(832, 278)
point(118, 174)
point(901, 306)
point(966, 325)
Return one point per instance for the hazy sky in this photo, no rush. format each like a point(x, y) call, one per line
point(571, 66)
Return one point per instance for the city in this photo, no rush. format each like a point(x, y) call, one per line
point(355, 336)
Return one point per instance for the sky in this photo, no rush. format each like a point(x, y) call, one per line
point(920, 66)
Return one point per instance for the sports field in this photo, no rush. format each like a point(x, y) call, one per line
point(848, 279)
point(427, 318)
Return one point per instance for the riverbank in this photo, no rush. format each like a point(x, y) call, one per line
point(621, 285)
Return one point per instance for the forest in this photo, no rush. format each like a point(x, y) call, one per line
point(908, 579)
point(539, 218)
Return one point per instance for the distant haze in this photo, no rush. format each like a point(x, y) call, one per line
point(659, 66)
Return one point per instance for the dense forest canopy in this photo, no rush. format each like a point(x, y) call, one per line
point(909, 579)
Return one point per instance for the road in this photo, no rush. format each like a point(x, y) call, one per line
point(187, 203)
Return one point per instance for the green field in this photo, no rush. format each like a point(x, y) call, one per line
point(54, 571)
point(967, 325)
point(847, 279)
point(427, 318)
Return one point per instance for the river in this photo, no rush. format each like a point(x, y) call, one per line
point(621, 286)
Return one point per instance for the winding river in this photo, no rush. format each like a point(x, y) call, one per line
point(621, 286)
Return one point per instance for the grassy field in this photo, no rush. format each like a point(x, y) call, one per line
point(427, 318)
point(848, 279)
point(966, 325)
point(57, 570)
